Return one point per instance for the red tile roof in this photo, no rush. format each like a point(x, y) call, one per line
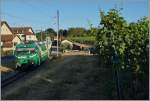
point(29, 33)
point(7, 44)
point(24, 30)
point(6, 38)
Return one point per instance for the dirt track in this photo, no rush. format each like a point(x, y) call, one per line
point(67, 78)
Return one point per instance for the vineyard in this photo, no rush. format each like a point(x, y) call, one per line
point(83, 40)
point(124, 47)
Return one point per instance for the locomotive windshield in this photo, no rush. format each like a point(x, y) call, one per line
point(23, 51)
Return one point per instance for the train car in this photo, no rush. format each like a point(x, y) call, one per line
point(31, 53)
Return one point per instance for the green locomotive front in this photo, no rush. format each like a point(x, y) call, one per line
point(31, 53)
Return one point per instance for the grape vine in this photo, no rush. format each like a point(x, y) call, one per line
point(129, 41)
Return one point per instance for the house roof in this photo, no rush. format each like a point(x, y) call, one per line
point(6, 38)
point(66, 41)
point(17, 37)
point(83, 45)
point(4, 22)
point(29, 33)
point(25, 30)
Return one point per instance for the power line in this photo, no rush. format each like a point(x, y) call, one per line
point(17, 17)
point(33, 6)
point(29, 4)
point(20, 19)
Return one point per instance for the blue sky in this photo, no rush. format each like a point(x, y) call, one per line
point(41, 14)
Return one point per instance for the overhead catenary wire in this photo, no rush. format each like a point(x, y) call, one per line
point(27, 19)
point(17, 17)
point(0, 35)
point(29, 4)
point(20, 18)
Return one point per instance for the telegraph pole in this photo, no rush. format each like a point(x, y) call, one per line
point(41, 34)
point(0, 43)
point(13, 44)
point(57, 29)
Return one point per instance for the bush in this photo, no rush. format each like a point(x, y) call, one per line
point(66, 46)
point(83, 40)
point(125, 47)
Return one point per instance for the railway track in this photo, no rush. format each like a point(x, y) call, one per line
point(15, 75)
point(12, 77)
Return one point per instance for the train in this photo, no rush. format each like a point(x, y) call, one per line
point(30, 53)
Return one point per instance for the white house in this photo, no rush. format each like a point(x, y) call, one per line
point(7, 37)
point(24, 33)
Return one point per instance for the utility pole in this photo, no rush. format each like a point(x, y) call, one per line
point(13, 45)
point(41, 34)
point(0, 43)
point(57, 29)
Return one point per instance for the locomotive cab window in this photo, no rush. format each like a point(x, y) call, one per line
point(22, 52)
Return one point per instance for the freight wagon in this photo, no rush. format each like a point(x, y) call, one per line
point(31, 53)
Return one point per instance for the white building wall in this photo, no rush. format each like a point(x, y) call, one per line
point(16, 40)
point(7, 49)
point(31, 37)
point(30, 31)
point(21, 36)
point(5, 30)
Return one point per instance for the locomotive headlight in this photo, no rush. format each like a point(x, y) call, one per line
point(32, 55)
point(19, 57)
point(18, 64)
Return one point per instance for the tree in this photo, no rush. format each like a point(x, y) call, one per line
point(63, 32)
point(110, 34)
point(77, 32)
point(92, 31)
point(48, 32)
point(127, 41)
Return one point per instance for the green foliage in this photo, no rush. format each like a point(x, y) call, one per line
point(50, 31)
point(43, 34)
point(129, 41)
point(84, 40)
point(109, 36)
point(81, 35)
point(63, 32)
point(82, 32)
point(65, 46)
point(76, 32)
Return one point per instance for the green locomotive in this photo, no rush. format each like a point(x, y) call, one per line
point(31, 53)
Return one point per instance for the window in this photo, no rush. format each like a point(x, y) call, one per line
point(29, 36)
point(23, 35)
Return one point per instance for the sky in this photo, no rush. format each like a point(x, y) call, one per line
point(41, 14)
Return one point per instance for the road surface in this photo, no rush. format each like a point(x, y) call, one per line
point(71, 77)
